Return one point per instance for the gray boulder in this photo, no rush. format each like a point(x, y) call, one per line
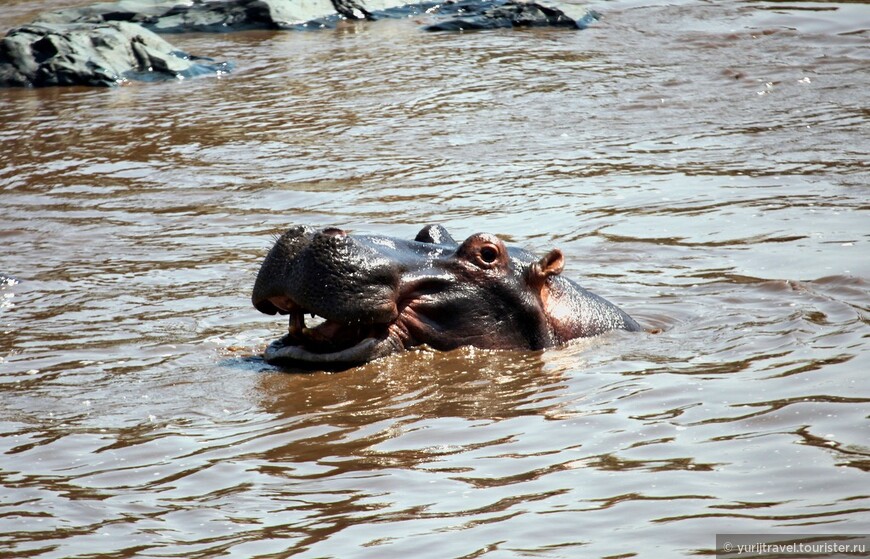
point(162, 16)
point(103, 54)
point(468, 15)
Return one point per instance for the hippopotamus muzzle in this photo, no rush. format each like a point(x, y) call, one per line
point(378, 295)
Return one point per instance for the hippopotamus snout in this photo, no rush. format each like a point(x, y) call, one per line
point(329, 273)
point(379, 295)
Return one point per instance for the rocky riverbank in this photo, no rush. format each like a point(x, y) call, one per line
point(111, 43)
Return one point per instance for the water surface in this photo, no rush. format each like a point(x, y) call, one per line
point(701, 164)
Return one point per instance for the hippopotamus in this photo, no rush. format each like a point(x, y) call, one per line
point(380, 295)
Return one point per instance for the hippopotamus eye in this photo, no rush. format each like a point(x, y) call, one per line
point(488, 254)
point(484, 251)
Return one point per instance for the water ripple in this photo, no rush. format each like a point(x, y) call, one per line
point(701, 165)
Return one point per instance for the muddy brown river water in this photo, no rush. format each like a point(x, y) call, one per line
point(702, 164)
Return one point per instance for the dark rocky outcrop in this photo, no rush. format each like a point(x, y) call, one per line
point(475, 15)
point(111, 42)
point(162, 16)
point(103, 54)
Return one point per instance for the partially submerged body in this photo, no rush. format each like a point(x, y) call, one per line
point(381, 295)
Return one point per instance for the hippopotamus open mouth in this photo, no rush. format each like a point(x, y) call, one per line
point(380, 295)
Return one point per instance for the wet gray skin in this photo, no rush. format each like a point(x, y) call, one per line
point(381, 295)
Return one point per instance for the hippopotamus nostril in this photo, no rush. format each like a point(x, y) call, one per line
point(334, 232)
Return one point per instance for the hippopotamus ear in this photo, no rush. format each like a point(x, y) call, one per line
point(538, 274)
point(435, 234)
point(551, 264)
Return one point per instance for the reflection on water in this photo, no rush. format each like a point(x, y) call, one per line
point(703, 166)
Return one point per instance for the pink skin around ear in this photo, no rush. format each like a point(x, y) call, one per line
point(551, 264)
point(560, 313)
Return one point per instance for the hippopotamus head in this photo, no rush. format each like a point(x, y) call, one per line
point(380, 295)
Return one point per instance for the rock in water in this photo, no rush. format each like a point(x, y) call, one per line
point(103, 54)
point(494, 14)
point(185, 16)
